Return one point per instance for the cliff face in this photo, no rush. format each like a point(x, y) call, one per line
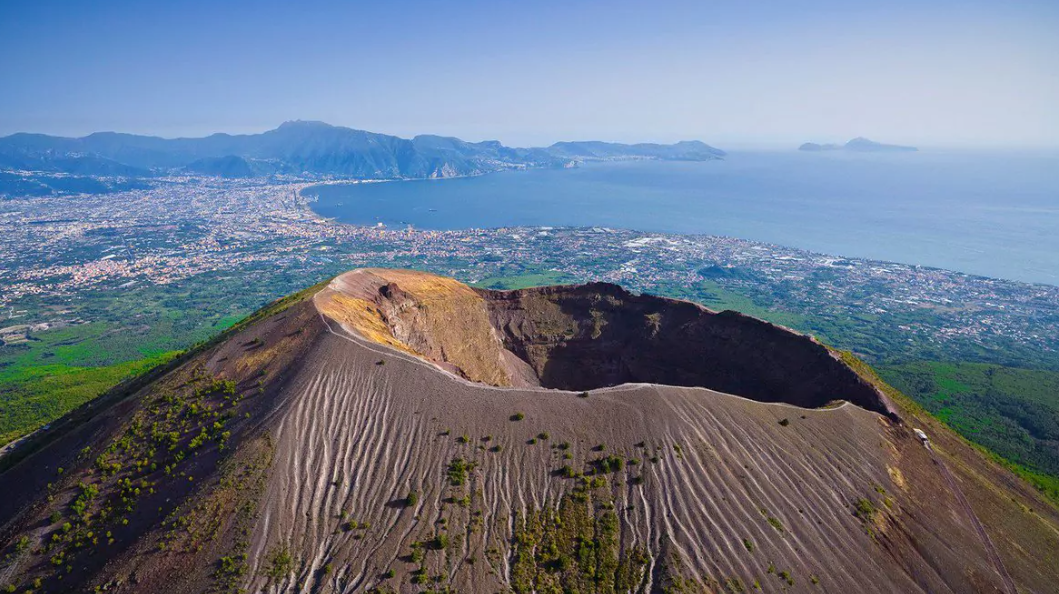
point(580, 338)
point(378, 435)
point(593, 336)
point(437, 318)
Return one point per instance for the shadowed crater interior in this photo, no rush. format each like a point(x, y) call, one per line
point(596, 335)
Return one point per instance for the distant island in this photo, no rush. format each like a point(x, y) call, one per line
point(302, 149)
point(858, 145)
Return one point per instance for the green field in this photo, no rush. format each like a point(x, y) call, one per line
point(57, 370)
point(115, 335)
point(523, 281)
point(717, 298)
point(31, 397)
point(1013, 412)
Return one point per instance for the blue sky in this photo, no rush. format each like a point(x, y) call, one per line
point(941, 73)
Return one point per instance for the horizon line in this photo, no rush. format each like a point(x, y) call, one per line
point(742, 143)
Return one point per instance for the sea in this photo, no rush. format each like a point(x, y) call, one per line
point(993, 214)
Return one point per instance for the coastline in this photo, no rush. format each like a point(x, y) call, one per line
point(971, 239)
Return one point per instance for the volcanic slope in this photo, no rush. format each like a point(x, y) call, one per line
point(396, 431)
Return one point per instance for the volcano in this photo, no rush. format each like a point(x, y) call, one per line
point(398, 431)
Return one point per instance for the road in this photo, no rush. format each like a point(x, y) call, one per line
point(986, 541)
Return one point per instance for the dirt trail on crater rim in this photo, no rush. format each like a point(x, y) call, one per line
point(398, 431)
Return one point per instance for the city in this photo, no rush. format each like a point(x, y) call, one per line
point(184, 227)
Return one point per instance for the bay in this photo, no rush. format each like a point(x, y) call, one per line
point(992, 214)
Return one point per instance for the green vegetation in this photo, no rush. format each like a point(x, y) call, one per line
point(775, 523)
point(279, 563)
point(575, 548)
point(440, 542)
point(1013, 412)
point(412, 499)
point(34, 395)
point(230, 569)
point(608, 464)
point(864, 509)
point(1047, 484)
point(714, 296)
point(417, 554)
point(124, 332)
point(457, 471)
point(566, 471)
point(105, 485)
point(735, 585)
point(522, 281)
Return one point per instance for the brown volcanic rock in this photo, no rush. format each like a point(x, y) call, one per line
point(330, 421)
point(435, 317)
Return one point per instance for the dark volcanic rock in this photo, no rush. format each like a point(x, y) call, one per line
point(596, 335)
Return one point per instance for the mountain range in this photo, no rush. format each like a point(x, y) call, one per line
point(858, 145)
point(394, 431)
point(313, 149)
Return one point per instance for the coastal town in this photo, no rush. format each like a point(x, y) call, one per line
point(266, 240)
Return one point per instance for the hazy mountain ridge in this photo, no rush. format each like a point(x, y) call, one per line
point(312, 148)
point(687, 150)
point(858, 145)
